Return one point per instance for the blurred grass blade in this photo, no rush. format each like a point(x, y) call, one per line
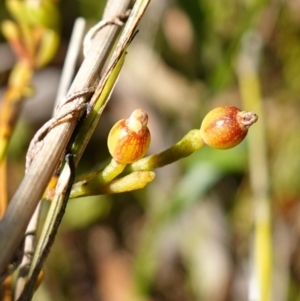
point(17, 91)
point(258, 165)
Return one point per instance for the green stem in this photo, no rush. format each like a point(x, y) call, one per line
point(93, 182)
point(185, 147)
point(138, 174)
point(135, 180)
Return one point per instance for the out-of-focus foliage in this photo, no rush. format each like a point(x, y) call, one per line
point(188, 235)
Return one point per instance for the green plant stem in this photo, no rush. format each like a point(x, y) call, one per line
point(135, 180)
point(112, 170)
point(91, 183)
point(185, 147)
point(137, 174)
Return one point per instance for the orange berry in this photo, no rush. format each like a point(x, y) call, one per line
point(129, 139)
point(225, 127)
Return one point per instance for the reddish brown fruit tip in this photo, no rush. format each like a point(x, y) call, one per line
point(225, 127)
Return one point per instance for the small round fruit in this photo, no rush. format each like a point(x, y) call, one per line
point(225, 127)
point(129, 139)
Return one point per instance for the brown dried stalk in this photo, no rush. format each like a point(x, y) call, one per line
point(25, 200)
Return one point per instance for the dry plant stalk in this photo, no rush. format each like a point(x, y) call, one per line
point(26, 198)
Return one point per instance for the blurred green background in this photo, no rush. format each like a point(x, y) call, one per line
point(207, 227)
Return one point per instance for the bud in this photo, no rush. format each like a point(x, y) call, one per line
point(129, 139)
point(225, 127)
